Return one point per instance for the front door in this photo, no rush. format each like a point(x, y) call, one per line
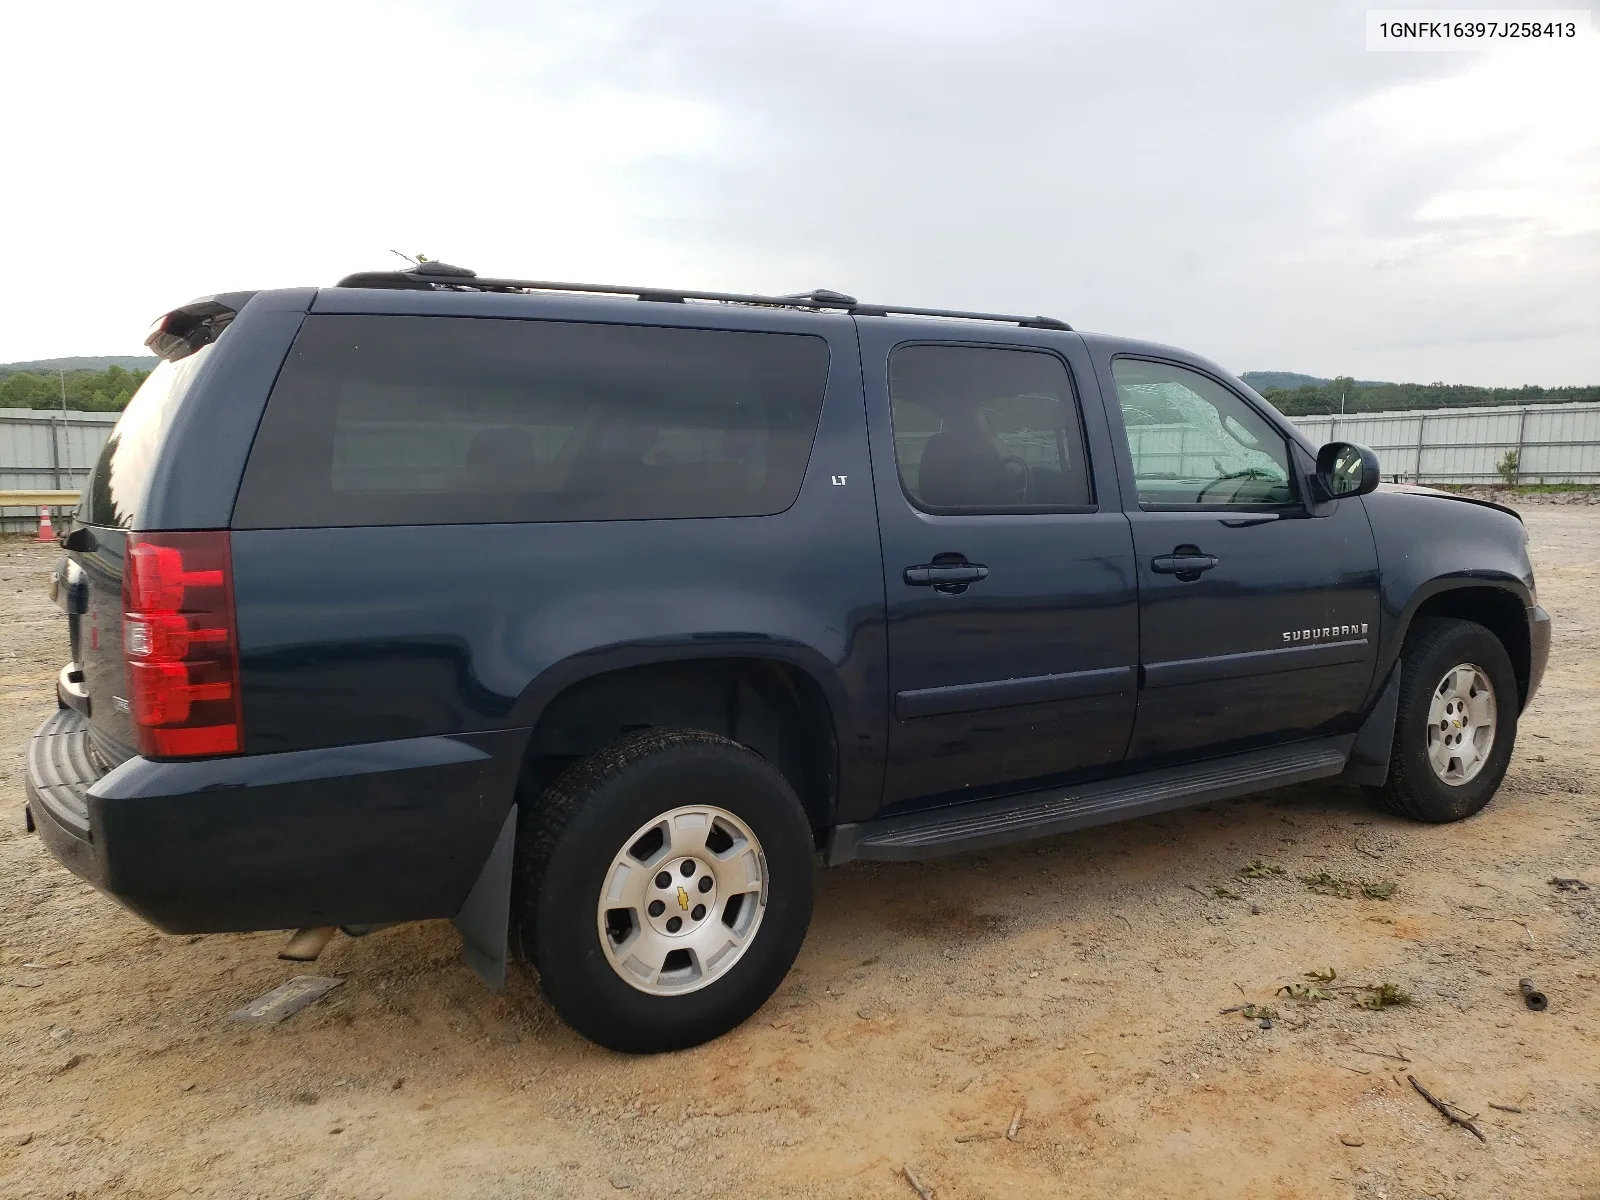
point(1011, 596)
point(1258, 622)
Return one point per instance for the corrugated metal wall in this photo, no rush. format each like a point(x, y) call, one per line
point(47, 450)
point(1555, 443)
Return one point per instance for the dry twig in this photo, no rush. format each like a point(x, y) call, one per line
point(1016, 1123)
point(1464, 1122)
point(1511, 1108)
point(1378, 1053)
point(922, 1190)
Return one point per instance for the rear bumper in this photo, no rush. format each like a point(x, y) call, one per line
point(1538, 646)
point(386, 831)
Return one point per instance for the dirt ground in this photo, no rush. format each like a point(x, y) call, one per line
point(1079, 981)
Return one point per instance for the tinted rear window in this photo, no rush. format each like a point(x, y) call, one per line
point(445, 420)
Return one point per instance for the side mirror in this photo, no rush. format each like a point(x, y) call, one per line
point(1345, 469)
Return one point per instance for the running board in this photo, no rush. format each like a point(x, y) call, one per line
point(980, 824)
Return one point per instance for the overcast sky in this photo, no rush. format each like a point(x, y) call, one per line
point(1242, 179)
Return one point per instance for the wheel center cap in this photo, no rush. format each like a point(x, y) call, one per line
point(681, 897)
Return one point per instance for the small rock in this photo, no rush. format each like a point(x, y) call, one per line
point(1350, 1139)
point(337, 1129)
point(61, 1034)
point(21, 1139)
point(397, 1084)
point(1255, 910)
point(25, 982)
point(67, 1064)
point(864, 1013)
point(683, 1143)
point(622, 1180)
point(188, 1087)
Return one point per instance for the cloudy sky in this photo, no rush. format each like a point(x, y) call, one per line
point(1243, 179)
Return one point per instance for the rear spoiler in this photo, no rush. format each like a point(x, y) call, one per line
point(199, 323)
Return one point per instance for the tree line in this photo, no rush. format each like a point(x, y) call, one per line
point(86, 391)
point(1321, 399)
point(111, 389)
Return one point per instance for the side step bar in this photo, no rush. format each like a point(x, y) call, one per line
point(984, 823)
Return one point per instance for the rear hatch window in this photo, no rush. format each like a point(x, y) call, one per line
point(384, 420)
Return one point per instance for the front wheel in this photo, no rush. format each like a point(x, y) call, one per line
point(663, 889)
point(1456, 722)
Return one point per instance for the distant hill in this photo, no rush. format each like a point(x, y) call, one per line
point(128, 362)
point(85, 384)
point(1289, 380)
point(1298, 395)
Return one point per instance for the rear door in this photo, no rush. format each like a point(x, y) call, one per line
point(1010, 583)
point(1258, 622)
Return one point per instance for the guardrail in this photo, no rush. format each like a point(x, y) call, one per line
point(39, 499)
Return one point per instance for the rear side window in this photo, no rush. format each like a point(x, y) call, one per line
point(446, 420)
point(980, 429)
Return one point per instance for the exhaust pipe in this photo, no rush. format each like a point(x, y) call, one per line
point(306, 944)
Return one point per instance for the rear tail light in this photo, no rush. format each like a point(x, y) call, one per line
point(181, 644)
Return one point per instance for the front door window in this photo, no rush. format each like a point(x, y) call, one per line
point(1196, 444)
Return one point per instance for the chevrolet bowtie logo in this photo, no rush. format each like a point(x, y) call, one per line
point(683, 900)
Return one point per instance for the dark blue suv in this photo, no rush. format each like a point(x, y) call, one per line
point(588, 616)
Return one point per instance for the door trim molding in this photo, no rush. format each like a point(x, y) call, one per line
point(1004, 693)
point(1218, 667)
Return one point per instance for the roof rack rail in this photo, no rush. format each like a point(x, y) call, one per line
point(437, 276)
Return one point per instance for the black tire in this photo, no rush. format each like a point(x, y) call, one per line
point(565, 847)
point(1433, 646)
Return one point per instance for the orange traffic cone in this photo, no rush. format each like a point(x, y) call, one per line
point(47, 531)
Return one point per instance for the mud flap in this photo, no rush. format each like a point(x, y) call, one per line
point(485, 916)
point(1369, 757)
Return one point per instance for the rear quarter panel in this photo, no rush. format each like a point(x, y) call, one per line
point(362, 634)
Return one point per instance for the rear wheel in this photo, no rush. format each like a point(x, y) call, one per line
point(663, 889)
point(1456, 722)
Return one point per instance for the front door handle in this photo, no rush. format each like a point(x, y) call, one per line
point(1186, 562)
point(946, 577)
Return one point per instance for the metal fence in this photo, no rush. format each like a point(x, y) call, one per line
point(1554, 443)
point(47, 449)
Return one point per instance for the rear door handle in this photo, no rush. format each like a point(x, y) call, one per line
point(941, 575)
point(1185, 566)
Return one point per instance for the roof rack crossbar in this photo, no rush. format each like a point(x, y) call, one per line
point(458, 279)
